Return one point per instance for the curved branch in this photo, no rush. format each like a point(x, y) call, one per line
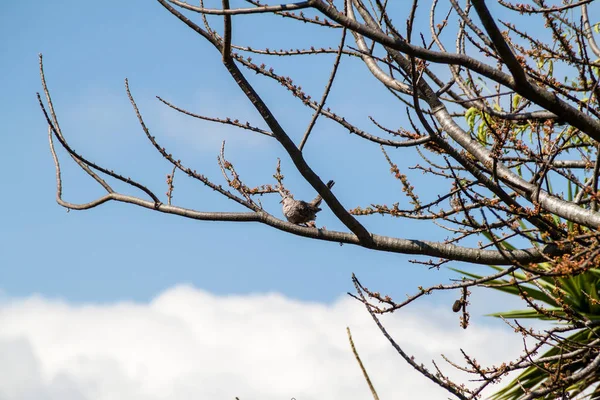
point(587, 31)
point(382, 243)
point(371, 63)
point(80, 158)
point(238, 11)
point(82, 165)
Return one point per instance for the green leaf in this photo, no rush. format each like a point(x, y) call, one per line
point(570, 191)
point(529, 314)
point(516, 100)
point(482, 133)
point(556, 219)
point(470, 116)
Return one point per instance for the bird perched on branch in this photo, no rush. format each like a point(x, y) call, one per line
point(299, 211)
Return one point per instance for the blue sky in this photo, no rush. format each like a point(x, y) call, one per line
point(119, 252)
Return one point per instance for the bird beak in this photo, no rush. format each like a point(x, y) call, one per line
point(281, 201)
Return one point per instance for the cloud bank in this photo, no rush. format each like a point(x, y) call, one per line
point(190, 344)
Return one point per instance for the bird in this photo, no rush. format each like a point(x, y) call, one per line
point(300, 212)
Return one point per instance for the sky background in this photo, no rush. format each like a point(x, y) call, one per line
point(100, 301)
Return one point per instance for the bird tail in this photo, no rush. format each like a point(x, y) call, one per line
point(317, 201)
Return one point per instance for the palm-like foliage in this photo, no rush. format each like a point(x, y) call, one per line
point(573, 302)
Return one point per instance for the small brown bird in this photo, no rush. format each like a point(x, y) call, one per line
point(299, 211)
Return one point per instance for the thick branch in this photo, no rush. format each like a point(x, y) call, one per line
point(382, 243)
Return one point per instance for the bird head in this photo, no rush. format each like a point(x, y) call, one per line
point(287, 199)
point(284, 194)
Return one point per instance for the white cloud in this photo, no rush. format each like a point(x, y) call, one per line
point(190, 344)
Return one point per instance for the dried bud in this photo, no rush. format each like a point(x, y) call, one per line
point(457, 305)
